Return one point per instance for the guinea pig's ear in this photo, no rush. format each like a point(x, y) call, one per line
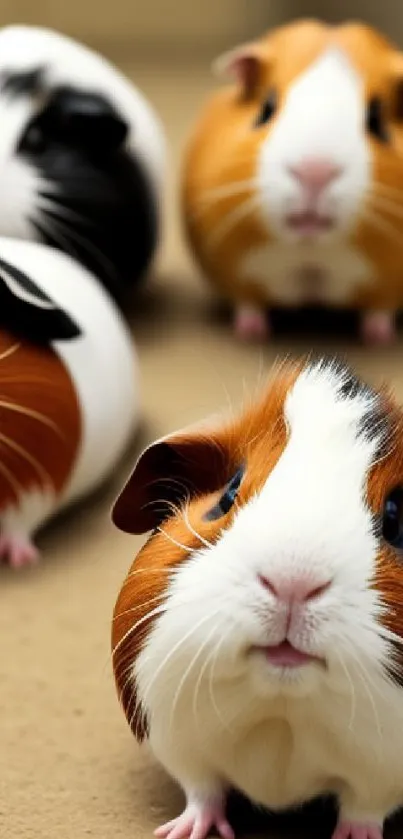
point(27, 311)
point(85, 118)
point(242, 65)
point(168, 472)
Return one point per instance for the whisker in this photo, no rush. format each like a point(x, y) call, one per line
point(380, 202)
point(174, 650)
point(391, 191)
point(211, 679)
point(54, 207)
point(9, 351)
point(72, 233)
point(154, 613)
point(200, 676)
point(15, 485)
point(362, 673)
point(232, 219)
point(170, 538)
point(383, 226)
point(193, 531)
point(212, 196)
point(140, 606)
point(43, 474)
point(28, 412)
point(187, 673)
point(352, 690)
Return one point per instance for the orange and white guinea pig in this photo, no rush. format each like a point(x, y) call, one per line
point(258, 636)
point(293, 177)
point(68, 389)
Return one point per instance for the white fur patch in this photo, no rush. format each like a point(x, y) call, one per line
point(322, 117)
point(220, 714)
point(102, 364)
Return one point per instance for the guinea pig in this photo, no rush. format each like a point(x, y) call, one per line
point(257, 638)
point(81, 157)
point(69, 398)
point(292, 188)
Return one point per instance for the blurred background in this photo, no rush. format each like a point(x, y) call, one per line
point(176, 28)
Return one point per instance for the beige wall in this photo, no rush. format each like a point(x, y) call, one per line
point(187, 26)
point(172, 25)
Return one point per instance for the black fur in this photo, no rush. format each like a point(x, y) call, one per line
point(28, 83)
point(29, 313)
point(104, 213)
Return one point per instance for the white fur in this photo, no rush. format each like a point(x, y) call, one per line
point(220, 715)
point(323, 116)
point(23, 48)
point(102, 364)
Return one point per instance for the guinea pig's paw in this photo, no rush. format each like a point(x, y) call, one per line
point(251, 324)
point(357, 830)
point(378, 328)
point(196, 822)
point(17, 550)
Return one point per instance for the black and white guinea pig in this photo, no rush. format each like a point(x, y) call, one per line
point(258, 635)
point(81, 156)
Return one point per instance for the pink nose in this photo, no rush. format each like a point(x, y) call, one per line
point(295, 589)
point(315, 174)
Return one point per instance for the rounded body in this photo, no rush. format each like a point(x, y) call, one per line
point(82, 156)
point(257, 637)
point(68, 405)
point(293, 175)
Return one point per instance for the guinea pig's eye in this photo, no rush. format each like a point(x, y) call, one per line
point(376, 121)
point(267, 110)
point(227, 499)
point(392, 520)
point(33, 141)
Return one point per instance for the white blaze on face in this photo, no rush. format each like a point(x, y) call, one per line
point(323, 117)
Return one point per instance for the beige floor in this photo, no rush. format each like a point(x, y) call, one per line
point(69, 767)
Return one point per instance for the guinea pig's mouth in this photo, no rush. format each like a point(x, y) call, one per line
point(309, 222)
point(286, 655)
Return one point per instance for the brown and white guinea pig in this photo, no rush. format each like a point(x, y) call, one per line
point(293, 177)
point(258, 636)
point(82, 155)
point(68, 389)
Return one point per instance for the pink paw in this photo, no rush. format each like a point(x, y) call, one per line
point(17, 550)
point(378, 328)
point(196, 822)
point(357, 830)
point(251, 324)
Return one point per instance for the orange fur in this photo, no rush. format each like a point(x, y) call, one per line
point(40, 427)
point(259, 436)
point(223, 150)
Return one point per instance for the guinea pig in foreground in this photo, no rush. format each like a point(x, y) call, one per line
point(258, 636)
point(293, 178)
point(81, 157)
point(68, 389)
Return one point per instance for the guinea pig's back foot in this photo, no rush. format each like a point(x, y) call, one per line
point(197, 821)
point(17, 550)
point(251, 323)
point(378, 327)
point(357, 830)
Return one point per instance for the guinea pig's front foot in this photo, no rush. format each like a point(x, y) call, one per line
point(357, 830)
point(17, 550)
point(251, 323)
point(378, 328)
point(196, 822)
